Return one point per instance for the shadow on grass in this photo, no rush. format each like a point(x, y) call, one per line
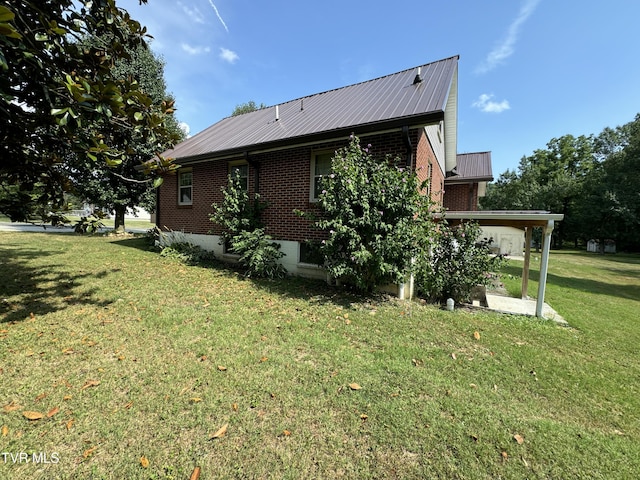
point(582, 284)
point(315, 291)
point(26, 289)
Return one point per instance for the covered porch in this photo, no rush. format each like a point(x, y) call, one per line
point(524, 220)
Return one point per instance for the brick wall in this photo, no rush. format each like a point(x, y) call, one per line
point(284, 182)
point(461, 197)
point(427, 166)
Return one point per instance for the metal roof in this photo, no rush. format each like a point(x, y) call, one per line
point(472, 167)
point(387, 102)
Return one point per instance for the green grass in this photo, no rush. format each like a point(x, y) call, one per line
point(435, 401)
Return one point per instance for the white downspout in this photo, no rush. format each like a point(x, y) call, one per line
point(544, 264)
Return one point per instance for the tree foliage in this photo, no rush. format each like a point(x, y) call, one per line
point(57, 95)
point(122, 187)
point(247, 107)
point(591, 180)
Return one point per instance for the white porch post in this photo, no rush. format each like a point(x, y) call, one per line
point(544, 264)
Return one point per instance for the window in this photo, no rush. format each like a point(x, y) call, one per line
point(310, 253)
point(320, 165)
point(185, 188)
point(243, 171)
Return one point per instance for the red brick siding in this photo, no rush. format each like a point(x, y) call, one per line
point(461, 197)
point(426, 158)
point(284, 182)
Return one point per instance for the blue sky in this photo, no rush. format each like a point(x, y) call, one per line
point(529, 70)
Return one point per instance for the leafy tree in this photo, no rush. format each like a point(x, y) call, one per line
point(52, 87)
point(248, 107)
point(610, 208)
point(551, 179)
point(122, 187)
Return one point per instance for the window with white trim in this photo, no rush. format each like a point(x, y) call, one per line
point(320, 166)
point(185, 187)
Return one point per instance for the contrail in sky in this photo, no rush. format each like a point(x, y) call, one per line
point(218, 15)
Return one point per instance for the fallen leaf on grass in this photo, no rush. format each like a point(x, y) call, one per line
point(476, 335)
point(29, 415)
point(67, 397)
point(505, 455)
point(354, 386)
point(144, 461)
point(453, 355)
point(264, 359)
point(195, 400)
point(10, 407)
point(220, 433)
point(286, 433)
point(89, 452)
point(67, 351)
point(5, 430)
point(195, 475)
point(519, 439)
point(40, 397)
point(222, 368)
point(128, 405)
point(234, 407)
point(90, 383)
point(69, 424)
point(52, 412)
point(364, 416)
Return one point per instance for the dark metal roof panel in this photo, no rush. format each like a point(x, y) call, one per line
point(390, 98)
point(472, 167)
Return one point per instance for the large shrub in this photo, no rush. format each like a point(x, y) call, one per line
point(374, 216)
point(458, 261)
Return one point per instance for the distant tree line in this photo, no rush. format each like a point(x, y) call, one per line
point(593, 180)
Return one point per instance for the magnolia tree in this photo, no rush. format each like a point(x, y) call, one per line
point(375, 217)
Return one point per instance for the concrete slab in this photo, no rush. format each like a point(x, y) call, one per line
point(518, 306)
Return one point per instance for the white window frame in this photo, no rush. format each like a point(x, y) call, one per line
point(313, 195)
point(184, 187)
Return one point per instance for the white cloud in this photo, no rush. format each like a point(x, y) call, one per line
point(198, 50)
point(485, 104)
point(184, 126)
point(194, 14)
point(218, 15)
point(506, 47)
point(228, 55)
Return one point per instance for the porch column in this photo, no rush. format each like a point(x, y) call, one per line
point(544, 264)
point(527, 261)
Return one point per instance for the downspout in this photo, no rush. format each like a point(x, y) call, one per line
point(256, 169)
point(407, 143)
point(158, 207)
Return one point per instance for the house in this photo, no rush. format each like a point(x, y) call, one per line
point(467, 181)
point(282, 150)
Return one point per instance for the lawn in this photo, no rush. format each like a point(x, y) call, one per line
point(137, 363)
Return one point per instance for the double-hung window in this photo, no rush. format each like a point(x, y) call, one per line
point(185, 187)
point(320, 166)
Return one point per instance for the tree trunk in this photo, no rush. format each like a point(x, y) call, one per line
point(118, 223)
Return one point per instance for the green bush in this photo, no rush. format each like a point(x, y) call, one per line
point(258, 254)
point(90, 224)
point(375, 217)
point(239, 216)
point(458, 261)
